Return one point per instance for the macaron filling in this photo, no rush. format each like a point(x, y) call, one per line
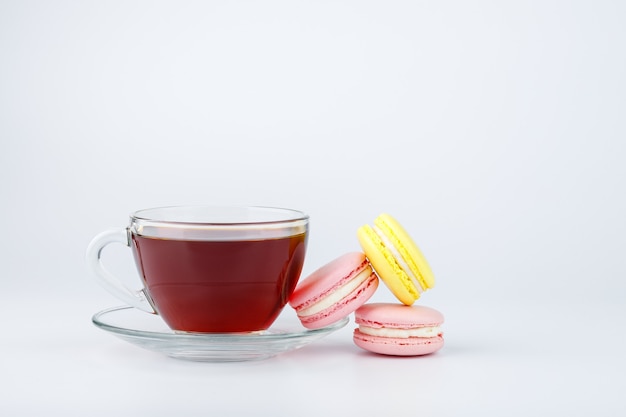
point(337, 295)
point(432, 331)
point(399, 258)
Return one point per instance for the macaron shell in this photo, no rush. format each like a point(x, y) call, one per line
point(383, 262)
point(413, 346)
point(343, 308)
point(408, 249)
point(398, 316)
point(327, 278)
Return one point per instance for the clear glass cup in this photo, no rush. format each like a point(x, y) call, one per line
point(209, 269)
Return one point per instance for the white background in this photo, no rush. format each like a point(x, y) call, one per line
point(494, 131)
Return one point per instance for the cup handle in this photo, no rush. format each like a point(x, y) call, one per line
point(137, 299)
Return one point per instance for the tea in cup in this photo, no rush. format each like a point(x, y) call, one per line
point(209, 269)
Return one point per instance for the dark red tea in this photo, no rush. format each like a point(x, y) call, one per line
point(219, 286)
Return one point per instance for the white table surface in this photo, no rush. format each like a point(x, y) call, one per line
point(499, 359)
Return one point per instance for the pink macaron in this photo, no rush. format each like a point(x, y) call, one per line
point(397, 329)
point(334, 291)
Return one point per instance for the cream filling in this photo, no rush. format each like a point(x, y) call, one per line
point(396, 254)
point(401, 333)
point(337, 295)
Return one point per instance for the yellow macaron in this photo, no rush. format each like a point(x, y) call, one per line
point(396, 258)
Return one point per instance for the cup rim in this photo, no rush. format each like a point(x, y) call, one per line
point(290, 216)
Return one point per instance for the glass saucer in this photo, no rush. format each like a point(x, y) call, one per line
point(150, 332)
